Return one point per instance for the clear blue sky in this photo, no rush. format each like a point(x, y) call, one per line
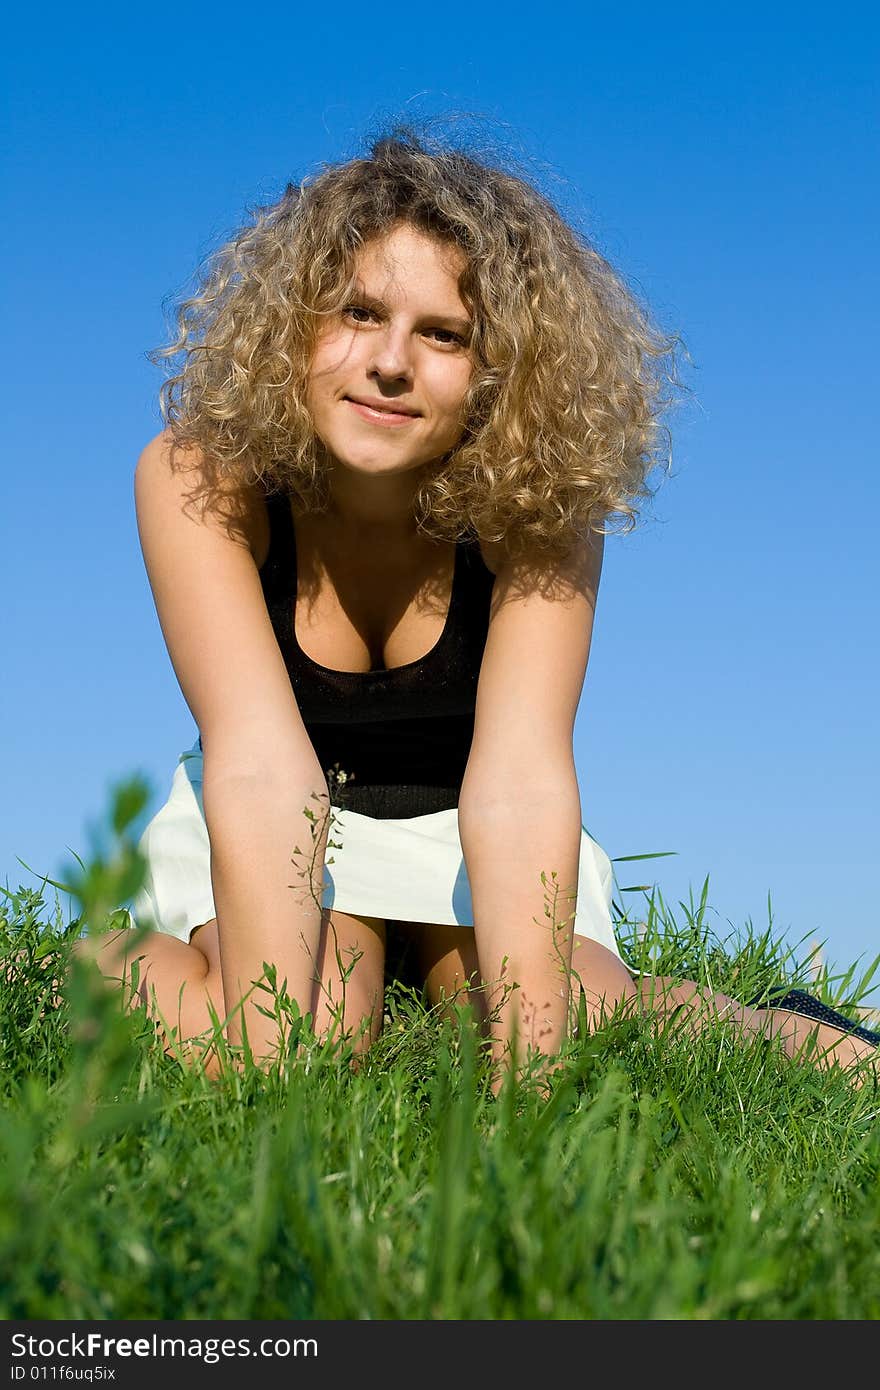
point(725, 163)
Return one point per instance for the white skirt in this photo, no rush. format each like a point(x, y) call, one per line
point(409, 870)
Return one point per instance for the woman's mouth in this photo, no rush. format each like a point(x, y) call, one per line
point(382, 414)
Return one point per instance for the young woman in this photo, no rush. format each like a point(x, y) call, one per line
point(409, 398)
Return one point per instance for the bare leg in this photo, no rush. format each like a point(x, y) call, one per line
point(177, 983)
point(182, 982)
point(686, 1004)
point(606, 983)
point(447, 961)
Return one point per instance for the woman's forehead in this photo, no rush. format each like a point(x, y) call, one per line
point(406, 252)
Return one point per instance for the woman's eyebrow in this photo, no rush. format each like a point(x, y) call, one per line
point(369, 301)
point(451, 321)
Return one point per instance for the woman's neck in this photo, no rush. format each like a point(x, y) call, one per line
point(372, 508)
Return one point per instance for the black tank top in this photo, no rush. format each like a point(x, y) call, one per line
point(402, 735)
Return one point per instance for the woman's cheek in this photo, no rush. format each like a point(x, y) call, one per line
point(332, 353)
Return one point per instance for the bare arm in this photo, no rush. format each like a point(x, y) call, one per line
point(519, 811)
point(267, 897)
point(260, 768)
point(508, 844)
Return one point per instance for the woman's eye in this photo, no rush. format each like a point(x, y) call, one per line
point(446, 337)
point(358, 313)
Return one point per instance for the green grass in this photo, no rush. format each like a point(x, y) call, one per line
point(662, 1178)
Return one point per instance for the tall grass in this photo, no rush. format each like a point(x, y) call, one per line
point(662, 1177)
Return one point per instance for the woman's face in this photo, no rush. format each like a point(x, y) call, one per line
point(390, 372)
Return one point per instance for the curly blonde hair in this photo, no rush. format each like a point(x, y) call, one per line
point(570, 380)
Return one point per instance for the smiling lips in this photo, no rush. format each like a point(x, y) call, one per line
point(382, 414)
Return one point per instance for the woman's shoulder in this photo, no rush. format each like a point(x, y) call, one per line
point(223, 499)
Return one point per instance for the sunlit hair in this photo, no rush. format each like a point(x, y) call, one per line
point(571, 377)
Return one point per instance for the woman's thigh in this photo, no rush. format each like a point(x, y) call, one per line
point(602, 978)
point(348, 971)
point(177, 983)
point(446, 962)
point(183, 982)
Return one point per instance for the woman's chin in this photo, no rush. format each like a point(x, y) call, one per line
point(374, 464)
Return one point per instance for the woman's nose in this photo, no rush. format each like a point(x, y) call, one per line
point(391, 358)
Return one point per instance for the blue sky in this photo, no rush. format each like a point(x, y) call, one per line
point(726, 164)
